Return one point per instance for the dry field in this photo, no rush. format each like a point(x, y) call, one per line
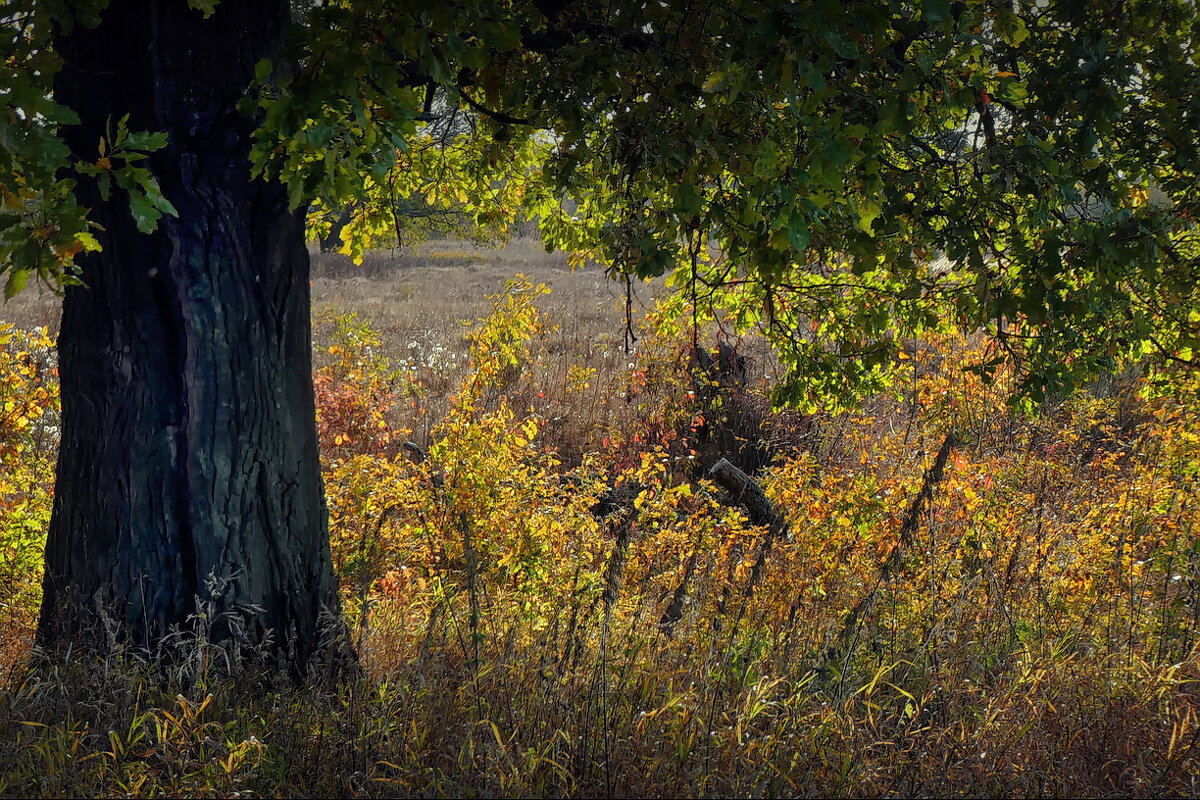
point(434, 286)
point(421, 300)
point(950, 599)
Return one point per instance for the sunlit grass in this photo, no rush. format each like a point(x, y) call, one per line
point(550, 601)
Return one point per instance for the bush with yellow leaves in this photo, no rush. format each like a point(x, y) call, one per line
point(29, 422)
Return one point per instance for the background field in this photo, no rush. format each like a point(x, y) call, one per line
point(549, 600)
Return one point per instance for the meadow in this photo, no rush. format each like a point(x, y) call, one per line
point(550, 597)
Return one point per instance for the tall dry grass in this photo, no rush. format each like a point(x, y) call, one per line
point(549, 600)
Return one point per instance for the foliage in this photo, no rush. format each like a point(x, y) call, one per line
point(42, 227)
point(435, 186)
point(354, 390)
point(842, 178)
point(534, 628)
point(28, 445)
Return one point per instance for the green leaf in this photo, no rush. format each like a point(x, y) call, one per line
point(205, 7)
point(145, 215)
point(687, 199)
point(503, 37)
point(148, 187)
point(1011, 27)
point(17, 279)
point(122, 132)
point(64, 116)
point(89, 242)
point(936, 10)
point(145, 141)
point(798, 233)
point(866, 210)
point(474, 57)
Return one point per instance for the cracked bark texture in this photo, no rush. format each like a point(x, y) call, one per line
point(189, 467)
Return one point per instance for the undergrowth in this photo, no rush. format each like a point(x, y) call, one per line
point(962, 601)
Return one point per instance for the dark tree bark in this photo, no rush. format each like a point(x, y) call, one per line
point(331, 241)
point(189, 466)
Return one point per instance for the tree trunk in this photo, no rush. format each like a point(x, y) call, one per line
point(332, 241)
point(188, 477)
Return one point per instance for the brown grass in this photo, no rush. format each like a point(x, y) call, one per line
point(1016, 613)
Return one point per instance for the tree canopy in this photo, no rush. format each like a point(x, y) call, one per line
point(842, 176)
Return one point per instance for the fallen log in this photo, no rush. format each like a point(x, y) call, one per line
point(745, 492)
